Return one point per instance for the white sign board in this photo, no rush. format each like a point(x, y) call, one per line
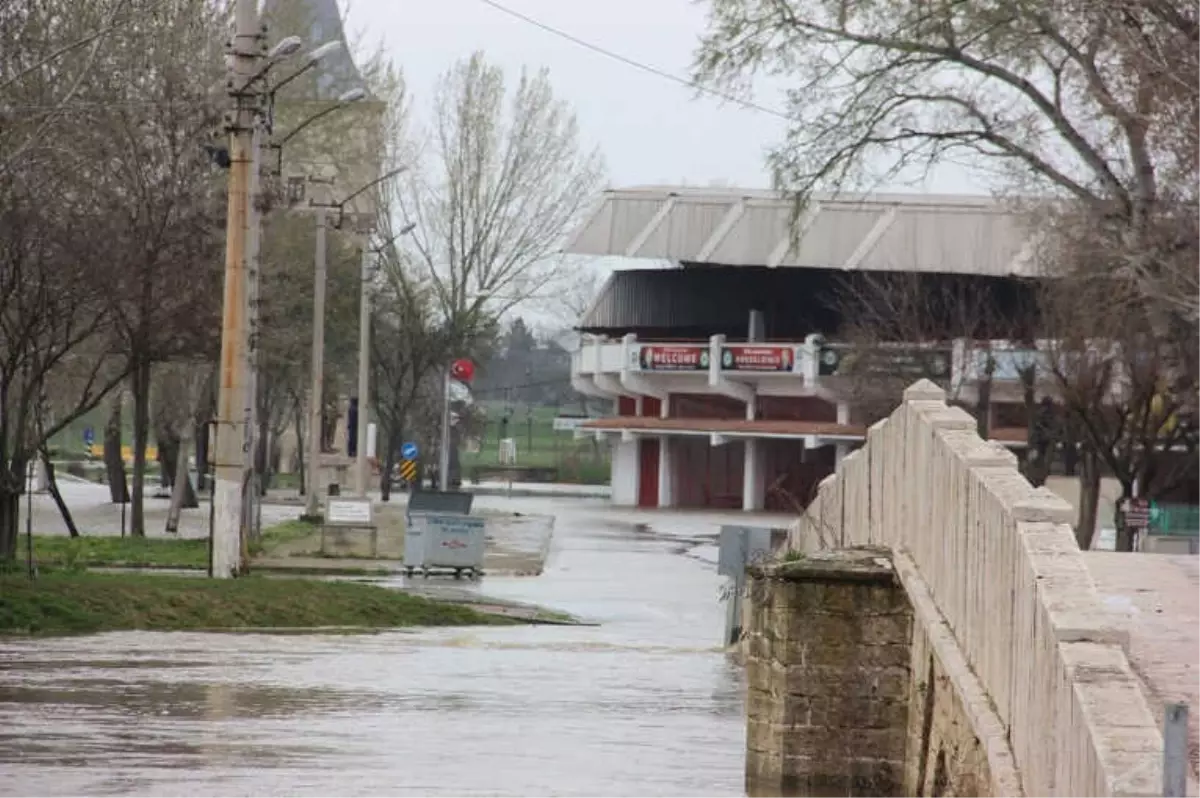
point(372, 431)
point(568, 422)
point(348, 512)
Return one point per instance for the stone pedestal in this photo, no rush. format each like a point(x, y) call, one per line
point(828, 659)
point(335, 470)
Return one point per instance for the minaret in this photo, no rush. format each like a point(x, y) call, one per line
point(317, 22)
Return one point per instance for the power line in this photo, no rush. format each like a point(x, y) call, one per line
point(691, 84)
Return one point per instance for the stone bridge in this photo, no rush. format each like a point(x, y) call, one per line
point(935, 630)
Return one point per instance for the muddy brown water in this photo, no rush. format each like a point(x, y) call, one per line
point(644, 704)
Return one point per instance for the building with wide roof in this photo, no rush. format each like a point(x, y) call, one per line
point(730, 385)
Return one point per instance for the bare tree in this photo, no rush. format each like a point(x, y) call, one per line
point(179, 393)
point(901, 327)
point(161, 89)
point(408, 344)
point(53, 326)
point(1121, 387)
point(502, 178)
point(1095, 102)
point(502, 181)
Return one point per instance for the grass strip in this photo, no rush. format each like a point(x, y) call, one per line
point(80, 602)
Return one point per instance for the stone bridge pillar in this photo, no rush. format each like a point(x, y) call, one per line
point(828, 660)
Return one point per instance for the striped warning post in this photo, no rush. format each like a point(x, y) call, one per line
point(408, 470)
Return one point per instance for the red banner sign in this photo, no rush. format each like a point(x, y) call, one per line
point(673, 358)
point(757, 358)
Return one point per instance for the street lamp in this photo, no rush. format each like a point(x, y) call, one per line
point(318, 343)
point(344, 99)
point(364, 355)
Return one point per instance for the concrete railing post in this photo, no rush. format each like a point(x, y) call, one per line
point(1175, 750)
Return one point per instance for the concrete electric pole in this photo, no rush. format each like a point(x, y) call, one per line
point(231, 424)
point(364, 359)
point(312, 506)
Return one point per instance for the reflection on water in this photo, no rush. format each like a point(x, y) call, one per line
point(643, 705)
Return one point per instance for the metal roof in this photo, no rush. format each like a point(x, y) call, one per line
point(699, 302)
point(747, 227)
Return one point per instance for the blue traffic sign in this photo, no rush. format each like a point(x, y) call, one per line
point(89, 436)
point(409, 451)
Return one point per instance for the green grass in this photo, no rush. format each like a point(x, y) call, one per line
point(69, 603)
point(539, 445)
point(59, 551)
point(279, 534)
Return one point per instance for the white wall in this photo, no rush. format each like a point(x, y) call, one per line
point(625, 473)
point(999, 560)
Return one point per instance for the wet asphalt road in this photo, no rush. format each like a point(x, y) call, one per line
point(644, 704)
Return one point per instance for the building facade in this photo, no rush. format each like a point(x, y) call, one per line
point(729, 383)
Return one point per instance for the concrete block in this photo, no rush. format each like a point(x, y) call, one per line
point(924, 390)
point(1043, 505)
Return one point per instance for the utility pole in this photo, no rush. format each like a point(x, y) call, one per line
point(250, 499)
point(364, 357)
point(230, 458)
point(444, 446)
point(312, 506)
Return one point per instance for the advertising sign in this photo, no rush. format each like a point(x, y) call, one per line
point(908, 362)
point(757, 358)
point(673, 358)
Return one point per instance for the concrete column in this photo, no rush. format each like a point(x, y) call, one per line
point(625, 466)
point(757, 331)
point(753, 476)
point(666, 473)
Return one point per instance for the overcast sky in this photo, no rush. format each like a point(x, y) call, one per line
point(649, 129)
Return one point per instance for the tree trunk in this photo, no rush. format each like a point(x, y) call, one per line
point(10, 515)
point(182, 494)
point(300, 447)
point(1124, 531)
point(262, 462)
point(141, 431)
point(114, 464)
point(168, 455)
point(52, 486)
point(200, 435)
point(1089, 500)
point(389, 463)
point(983, 399)
point(1070, 448)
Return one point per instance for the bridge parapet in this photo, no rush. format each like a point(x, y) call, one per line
point(999, 560)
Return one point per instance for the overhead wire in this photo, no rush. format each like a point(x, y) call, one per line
point(644, 67)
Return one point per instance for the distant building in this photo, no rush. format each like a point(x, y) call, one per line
point(348, 144)
point(728, 381)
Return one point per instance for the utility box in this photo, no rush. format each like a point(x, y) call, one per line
point(741, 546)
point(444, 542)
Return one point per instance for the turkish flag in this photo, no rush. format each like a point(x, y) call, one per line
point(462, 370)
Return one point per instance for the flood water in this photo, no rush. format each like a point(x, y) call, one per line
point(645, 704)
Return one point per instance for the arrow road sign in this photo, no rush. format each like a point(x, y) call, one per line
point(409, 451)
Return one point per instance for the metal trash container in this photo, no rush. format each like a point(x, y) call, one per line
point(444, 542)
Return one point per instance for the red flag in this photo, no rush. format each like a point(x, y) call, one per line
point(462, 370)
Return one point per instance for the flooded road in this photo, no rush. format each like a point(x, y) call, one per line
point(645, 704)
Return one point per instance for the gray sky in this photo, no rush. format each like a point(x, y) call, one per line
point(649, 129)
